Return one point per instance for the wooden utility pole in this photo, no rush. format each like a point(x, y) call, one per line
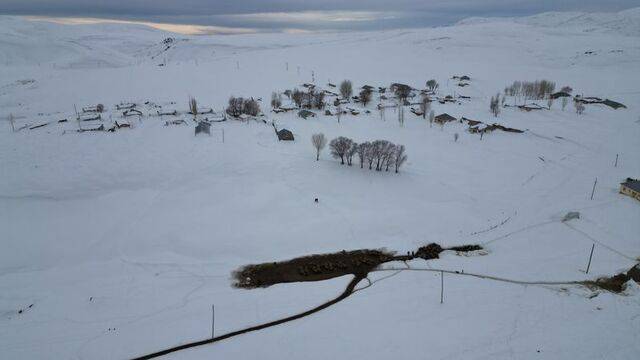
point(616, 164)
point(594, 188)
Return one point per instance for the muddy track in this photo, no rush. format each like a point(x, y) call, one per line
point(348, 291)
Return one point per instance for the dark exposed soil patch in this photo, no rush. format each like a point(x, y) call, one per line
point(634, 273)
point(466, 248)
point(615, 284)
point(328, 266)
point(431, 251)
point(310, 268)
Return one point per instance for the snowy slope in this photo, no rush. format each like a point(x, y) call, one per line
point(123, 241)
point(625, 22)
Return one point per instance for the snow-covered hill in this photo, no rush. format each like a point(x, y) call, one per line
point(117, 244)
point(625, 22)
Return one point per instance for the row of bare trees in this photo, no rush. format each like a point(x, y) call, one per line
point(311, 99)
point(381, 154)
point(530, 90)
point(238, 106)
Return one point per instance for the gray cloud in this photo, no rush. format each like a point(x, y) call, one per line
point(404, 13)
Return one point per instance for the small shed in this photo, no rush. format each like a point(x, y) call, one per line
point(306, 113)
point(284, 134)
point(444, 118)
point(631, 187)
point(132, 112)
point(471, 122)
point(560, 94)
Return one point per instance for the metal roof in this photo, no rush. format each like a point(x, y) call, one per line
point(632, 184)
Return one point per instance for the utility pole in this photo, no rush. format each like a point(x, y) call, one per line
point(590, 256)
point(213, 320)
point(77, 116)
point(616, 164)
point(594, 188)
point(441, 287)
point(13, 126)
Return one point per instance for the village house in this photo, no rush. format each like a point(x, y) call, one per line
point(631, 187)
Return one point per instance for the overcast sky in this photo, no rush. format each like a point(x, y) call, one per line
point(301, 14)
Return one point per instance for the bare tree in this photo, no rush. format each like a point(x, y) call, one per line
point(432, 116)
point(339, 112)
point(494, 105)
point(193, 106)
point(370, 153)
point(382, 116)
point(251, 107)
point(298, 97)
point(400, 157)
point(549, 102)
point(388, 155)
point(276, 100)
point(346, 89)
point(401, 112)
point(339, 147)
point(353, 149)
point(402, 91)
point(565, 101)
point(425, 105)
point(382, 153)
point(432, 85)
point(579, 107)
point(362, 152)
point(235, 107)
point(319, 142)
point(318, 100)
point(365, 97)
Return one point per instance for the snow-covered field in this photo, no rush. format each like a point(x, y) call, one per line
point(115, 245)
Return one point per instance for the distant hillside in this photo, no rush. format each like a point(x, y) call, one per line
point(625, 22)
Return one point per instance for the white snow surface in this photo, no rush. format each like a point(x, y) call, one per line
point(123, 241)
